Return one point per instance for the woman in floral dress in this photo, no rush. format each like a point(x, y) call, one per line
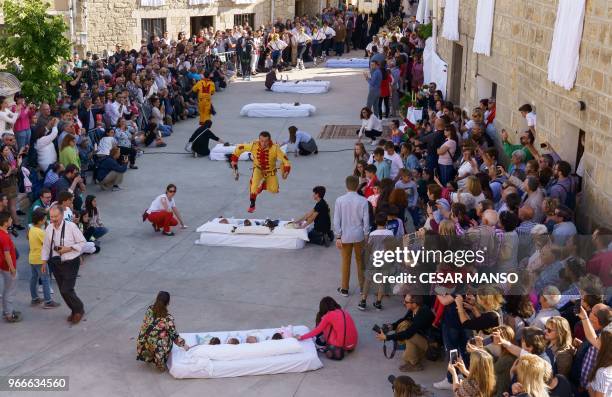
point(157, 333)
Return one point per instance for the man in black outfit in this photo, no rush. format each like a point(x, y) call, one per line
point(321, 233)
point(412, 330)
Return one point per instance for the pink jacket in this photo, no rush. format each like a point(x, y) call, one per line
point(23, 120)
point(334, 322)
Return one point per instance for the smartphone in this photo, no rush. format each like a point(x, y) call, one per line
point(376, 328)
point(453, 356)
point(577, 306)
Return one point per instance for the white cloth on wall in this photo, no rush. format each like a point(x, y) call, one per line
point(152, 3)
point(422, 15)
point(199, 2)
point(434, 67)
point(565, 48)
point(450, 26)
point(484, 27)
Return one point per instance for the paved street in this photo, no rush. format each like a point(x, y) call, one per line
point(212, 288)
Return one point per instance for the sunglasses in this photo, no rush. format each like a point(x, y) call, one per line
point(171, 191)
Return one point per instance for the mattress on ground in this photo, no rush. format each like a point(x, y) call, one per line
point(220, 152)
point(235, 234)
point(277, 110)
point(302, 87)
point(223, 361)
point(348, 63)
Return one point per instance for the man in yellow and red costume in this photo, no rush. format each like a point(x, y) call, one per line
point(265, 155)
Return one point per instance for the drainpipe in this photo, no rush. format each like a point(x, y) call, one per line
point(272, 12)
point(85, 25)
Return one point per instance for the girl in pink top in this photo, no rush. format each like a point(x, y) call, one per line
point(335, 327)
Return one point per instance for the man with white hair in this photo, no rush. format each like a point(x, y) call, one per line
point(549, 297)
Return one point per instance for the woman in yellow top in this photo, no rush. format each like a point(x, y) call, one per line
point(205, 89)
point(68, 152)
point(36, 236)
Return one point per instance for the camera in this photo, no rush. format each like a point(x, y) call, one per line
point(384, 329)
point(577, 306)
point(376, 328)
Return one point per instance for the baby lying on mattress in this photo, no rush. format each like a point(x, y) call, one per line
point(233, 340)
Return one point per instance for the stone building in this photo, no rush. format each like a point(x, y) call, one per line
point(97, 25)
point(516, 74)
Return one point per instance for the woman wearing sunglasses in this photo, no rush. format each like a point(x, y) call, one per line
point(163, 213)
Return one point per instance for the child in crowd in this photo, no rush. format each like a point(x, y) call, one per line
point(373, 198)
point(370, 172)
point(393, 222)
point(410, 187)
point(383, 166)
point(396, 133)
point(410, 161)
point(380, 239)
point(36, 236)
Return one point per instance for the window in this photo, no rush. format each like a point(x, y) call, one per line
point(152, 27)
point(241, 19)
point(485, 88)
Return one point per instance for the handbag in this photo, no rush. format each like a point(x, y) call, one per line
point(336, 352)
point(56, 260)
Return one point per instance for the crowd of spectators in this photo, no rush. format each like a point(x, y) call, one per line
point(446, 180)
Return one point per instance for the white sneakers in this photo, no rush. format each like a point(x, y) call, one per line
point(444, 384)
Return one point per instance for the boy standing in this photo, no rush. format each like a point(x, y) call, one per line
point(383, 166)
point(36, 236)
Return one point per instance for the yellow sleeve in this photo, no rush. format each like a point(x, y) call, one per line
point(196, 87)
point(241, 148)
point(283, 158)
point(212, 87)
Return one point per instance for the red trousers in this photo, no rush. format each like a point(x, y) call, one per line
point(162, 220)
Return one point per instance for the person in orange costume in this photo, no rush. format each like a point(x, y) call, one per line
point(265, 155)
point(205, 89)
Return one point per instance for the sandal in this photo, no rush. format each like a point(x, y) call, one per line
point(168, 233)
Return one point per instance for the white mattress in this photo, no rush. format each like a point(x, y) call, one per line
point(219, 151)
point(223, 361)
point(348, 63)
point(234, 235)
point(302, 87)
point(277, 110)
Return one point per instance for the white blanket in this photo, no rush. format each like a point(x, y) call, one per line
point(219, 152)
point(434, 67)
point(484, 27)
point(263, 358)
point(422, 14)
point(450, 26)
point(302, 87)
point(277, 110)
point(348, 63)
point(235, 234)
point(565, 49)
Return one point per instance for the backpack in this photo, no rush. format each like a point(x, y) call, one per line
point(570, 195)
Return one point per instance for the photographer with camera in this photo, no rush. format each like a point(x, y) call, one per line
point(410, 330)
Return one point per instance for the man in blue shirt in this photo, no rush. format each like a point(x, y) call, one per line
point(374, 82)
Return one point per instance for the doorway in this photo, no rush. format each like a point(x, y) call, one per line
point(456, 74)
point(198, 23)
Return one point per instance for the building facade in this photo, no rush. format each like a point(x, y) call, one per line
point(516, 74)
point(98, 25)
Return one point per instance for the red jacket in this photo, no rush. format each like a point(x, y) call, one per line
point(368, 189)
point(385, 86)
point(332, 328)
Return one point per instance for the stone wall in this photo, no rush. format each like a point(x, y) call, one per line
point(522, 38)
